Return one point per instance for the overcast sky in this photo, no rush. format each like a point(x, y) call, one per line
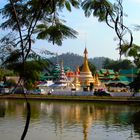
point(98, 37)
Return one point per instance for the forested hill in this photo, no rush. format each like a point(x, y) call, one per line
point(73, 60)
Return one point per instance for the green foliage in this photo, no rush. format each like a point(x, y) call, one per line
point(13, 57)
point(136, 83)
point(1, 75)
point(117, 65)
point(5, 72)
point(55, 33)
point(44, 14)
point(22, 10)
point(133, 51)
point(99, 8)
point(27, 18)
point(31, 71)
point(113, 15)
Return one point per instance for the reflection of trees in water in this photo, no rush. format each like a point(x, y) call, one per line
point(135, 120)
point(2, 109)
point(35, 110)
point(113, 114)
point(14, 107)
point(18, 108)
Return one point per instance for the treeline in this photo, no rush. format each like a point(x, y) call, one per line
point(73, 60)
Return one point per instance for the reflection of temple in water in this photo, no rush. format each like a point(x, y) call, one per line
point(68, 114)
point(72, 116)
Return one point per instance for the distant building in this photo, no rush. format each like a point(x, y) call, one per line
point(131, 74)
point(110, 77)
point(55, 73)
point(106, 74)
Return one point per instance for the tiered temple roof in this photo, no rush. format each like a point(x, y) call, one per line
point(62, 79)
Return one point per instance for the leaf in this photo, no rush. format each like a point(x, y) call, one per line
point(67, 4)
point(56, 33)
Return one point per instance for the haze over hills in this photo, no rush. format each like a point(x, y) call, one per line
point(73, 60)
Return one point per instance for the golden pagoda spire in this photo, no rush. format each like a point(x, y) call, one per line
point(97, 81)
point(85, 67)
point(85, 76)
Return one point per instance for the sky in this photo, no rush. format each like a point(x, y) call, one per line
point(96, 36)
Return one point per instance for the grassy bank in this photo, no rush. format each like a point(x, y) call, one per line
point(74, 98)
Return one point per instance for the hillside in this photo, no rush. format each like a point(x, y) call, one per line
point(73, 60)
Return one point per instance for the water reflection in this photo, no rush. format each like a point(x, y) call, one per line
point(2, 109)
point(63, 120)
point(135, 119)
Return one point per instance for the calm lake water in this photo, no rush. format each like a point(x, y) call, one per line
point(51, 120)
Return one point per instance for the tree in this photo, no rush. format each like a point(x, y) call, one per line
point(5, 72)
point(117, 65)
point(133, 52)
point(33, 68)
point(136, 83)
point(29, 17)
point(22, 17)
point(113, 15)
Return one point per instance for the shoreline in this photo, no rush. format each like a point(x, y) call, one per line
point(125, 99)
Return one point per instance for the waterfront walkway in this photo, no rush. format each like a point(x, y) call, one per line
point(74, 98)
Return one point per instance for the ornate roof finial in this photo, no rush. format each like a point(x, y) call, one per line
point(85, 52)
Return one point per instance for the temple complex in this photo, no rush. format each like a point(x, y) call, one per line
point(75, 80)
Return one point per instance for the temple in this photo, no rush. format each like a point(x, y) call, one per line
point(86, 77)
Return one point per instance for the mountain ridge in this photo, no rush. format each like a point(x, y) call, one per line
point(74, 60)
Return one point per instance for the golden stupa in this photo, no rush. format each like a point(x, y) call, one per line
point(97, 82)
point(76, 81)
point(85, 75)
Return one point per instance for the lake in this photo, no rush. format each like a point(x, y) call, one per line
point(57, 120)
